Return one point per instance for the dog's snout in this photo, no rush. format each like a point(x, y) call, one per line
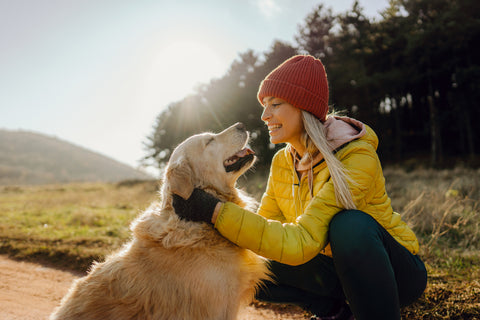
point(240, 126)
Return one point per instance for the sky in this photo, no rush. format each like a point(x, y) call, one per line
point(97, 73)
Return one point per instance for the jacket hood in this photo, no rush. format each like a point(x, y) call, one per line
point(339, 131)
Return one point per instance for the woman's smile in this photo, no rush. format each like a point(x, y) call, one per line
point(273, 128)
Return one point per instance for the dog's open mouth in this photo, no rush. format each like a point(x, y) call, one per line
point(238, 160)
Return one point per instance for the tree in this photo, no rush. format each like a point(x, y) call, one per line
point(314, 35)
point(441, 43)
point(219, 104)
point(414, 76)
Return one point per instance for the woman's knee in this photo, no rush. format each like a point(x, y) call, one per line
point(352, 232)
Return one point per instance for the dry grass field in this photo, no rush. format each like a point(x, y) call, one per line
point(69, 226)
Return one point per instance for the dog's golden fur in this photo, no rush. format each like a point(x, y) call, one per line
point(173, 268)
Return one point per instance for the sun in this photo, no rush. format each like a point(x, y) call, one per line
point(182, 65)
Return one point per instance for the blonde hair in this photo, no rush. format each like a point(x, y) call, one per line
point(315, 140)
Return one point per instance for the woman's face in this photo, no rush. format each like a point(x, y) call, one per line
point(284, 122)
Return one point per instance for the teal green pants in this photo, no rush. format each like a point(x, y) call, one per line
point(369, 269)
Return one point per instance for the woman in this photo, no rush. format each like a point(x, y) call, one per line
point(325, 221)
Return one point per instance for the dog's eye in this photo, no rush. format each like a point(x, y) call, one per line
point(211, 139)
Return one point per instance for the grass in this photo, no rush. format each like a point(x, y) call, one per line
point(72, 225)
point(69, 225)
point(443, 207)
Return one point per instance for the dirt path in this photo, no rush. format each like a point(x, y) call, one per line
point(30, 291)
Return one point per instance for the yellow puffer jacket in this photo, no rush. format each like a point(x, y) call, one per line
point(293, 232)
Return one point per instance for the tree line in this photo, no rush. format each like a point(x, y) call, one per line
point(413, 76)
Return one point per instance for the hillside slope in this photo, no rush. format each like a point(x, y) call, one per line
point(33, 158)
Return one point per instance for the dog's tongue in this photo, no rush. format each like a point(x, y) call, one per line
point(244, 152)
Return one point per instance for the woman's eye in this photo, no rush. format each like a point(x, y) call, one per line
point(274, 105)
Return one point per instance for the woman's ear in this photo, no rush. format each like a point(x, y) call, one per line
point(179, 177)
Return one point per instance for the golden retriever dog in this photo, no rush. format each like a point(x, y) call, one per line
point(173, 268)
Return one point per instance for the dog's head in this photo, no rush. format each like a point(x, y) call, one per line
point(209, 161)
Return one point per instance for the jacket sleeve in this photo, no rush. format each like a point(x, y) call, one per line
point(282, 242)
point(295, 243)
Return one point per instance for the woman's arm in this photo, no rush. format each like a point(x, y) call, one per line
point(216, 212)
point(297, 243)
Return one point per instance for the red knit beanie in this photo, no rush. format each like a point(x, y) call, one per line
point(302, 82)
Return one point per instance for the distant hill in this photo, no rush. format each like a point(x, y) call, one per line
point(33, 158)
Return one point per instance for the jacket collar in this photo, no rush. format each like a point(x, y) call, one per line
point(339, 131)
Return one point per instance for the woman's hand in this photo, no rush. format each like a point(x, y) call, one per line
point(199, 207)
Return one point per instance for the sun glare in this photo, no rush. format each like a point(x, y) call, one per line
point(179, 67)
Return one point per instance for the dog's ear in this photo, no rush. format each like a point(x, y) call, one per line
point(179, 178)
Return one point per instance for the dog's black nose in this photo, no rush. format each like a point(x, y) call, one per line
point(240, 126)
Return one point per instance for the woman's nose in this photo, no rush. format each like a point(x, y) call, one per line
point(266, 114)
